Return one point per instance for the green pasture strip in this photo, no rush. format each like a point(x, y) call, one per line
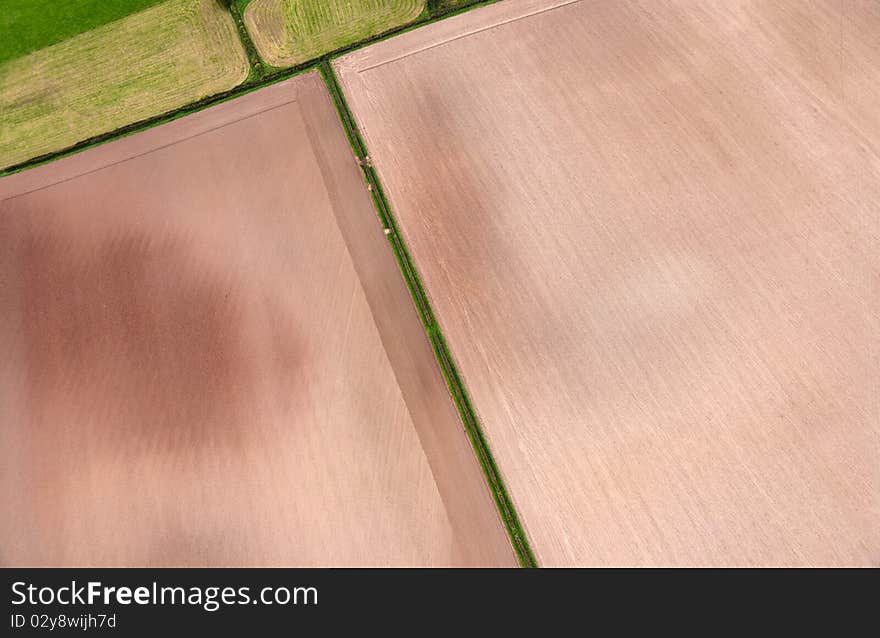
point(258, 66)
point(163, 118)
point(438, 343)
point(270, 75)
point(30, 25)
point(291, 31)
point(428, 17)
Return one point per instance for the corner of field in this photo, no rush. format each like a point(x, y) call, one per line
point(447, 366)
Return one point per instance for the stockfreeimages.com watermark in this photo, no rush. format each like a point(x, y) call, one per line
point(209, 598)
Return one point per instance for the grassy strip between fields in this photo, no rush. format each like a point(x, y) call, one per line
point(426, 314)
point(261, 77)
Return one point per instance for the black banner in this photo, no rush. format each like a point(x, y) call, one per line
point(149, 601)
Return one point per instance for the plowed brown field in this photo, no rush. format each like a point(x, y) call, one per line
point(650, 234)
point(193, 324)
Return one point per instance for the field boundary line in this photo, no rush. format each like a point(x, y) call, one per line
point(162, 147)
point(255, 60)
point(156, 120)
point(488, 27)
point(454, 384)
point(270, 75)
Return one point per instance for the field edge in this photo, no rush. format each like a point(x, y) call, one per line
point(454, 384)
point(260, 77)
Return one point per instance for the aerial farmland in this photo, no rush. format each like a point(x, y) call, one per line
point(197, 329)
point(649, 233)
point(288, 32)
point(439, 283)
point(57, 91)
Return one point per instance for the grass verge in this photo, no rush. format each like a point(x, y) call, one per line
point(438, 343)
point(149, 62)
point(257, 77)
point(262, 75)
point(441, 6)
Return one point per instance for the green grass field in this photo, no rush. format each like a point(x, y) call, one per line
point(31, 25)
point(443, 5)
point(287, 32)
point(147, 63)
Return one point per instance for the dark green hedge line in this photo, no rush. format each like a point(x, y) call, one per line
point(456, 388)
point(162, 118)
point(261, 75)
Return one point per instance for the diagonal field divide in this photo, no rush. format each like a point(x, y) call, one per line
point(259, 78)
point(453, 380)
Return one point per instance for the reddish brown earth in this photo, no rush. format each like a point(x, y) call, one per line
point(650, 232)
point(192, 372)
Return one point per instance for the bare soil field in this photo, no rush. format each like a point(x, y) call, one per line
point(206, 363)
point(650, 234)
point(142, 65)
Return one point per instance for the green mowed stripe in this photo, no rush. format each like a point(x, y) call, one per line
point(30, 25)
point(287, 32)
point(142, 65)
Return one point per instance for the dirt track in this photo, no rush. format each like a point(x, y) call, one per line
point(192, 373)
point(650, 233)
